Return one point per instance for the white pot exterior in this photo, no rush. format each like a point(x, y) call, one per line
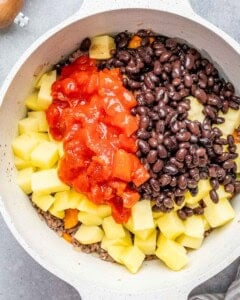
point(96, 279)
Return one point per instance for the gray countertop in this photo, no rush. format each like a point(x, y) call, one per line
point(20, 276)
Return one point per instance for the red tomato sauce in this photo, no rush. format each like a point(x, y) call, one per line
point(90, 113)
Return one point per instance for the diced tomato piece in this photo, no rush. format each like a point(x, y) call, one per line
point(127, 143)
point(130, 198)
point(122, 165)
point(128, 100)
point(119, 186)
point(81, 183)
point(120, 213)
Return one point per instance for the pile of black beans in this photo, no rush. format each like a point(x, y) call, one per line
point(177, 152)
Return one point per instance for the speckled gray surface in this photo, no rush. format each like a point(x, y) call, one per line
point(20, 276)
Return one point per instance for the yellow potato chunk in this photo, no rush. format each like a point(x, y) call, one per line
point(157, 214)
point(55, 213)
point(133, 258)
point(194, 226)
point(44, 95)
point(32, 102)
point(142, 215)
point(171, 253)
point(232, 121)
point(218, 214)
point(104, 210)
point(112, 229)
point(143, 234)
point(196, 110)
point(27, 125)
point(44, 155)
point(204, 187)
point(44, 202)
point(40, 117)
point(23, 145)
point(237, 160)
point(117, 253)
point(125, 241)
point(101, 47)
point(66, 200)
point(89, 234)
point(87, 205)
point(24, 179)
point(206, 224)
point(21, 163)
point(222, 194)
point(47, 182)
point(189, 241)
point(170, 225)
point(89, 219)
point(147, 246)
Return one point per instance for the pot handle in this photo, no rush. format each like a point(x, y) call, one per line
point(90, 7)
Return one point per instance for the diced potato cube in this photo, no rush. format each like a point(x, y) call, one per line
point(204, 187)
point(44, 202)
point(27, 125)
point(89, 234)
point(194, 226)
point(40, 116)
point(117, 253)
point(142, 215)
point(171, 253)
point(104, 210)
point(44, 95)
point(157, 214)
point(206, 224)
point(112, 229)
point(101, 47)
point(232, 121)
point(60, 149)
point(47, 182)
point(87, 206)
point(21, 163)
point(89, 219)
point(143, 234)
point(133, 258)
point(222, 194)
point(23, 145)
point(189, 242)
point(58, 214)
point(217, 214)
point(44, 155)
point(66, 200)
point(147, 246)
point(32, 102)
point(24, 179)
point(170, 225)
point(196, 110)
point(125, 241)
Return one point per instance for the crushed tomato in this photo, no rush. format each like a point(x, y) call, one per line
point(90, 113)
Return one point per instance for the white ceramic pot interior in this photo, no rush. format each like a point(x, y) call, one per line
point(58, 256)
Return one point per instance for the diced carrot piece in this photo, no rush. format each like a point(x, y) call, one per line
point(71, 218)
point(151, 39)
point(122, 165)
point(135, 42)
point(67, 237)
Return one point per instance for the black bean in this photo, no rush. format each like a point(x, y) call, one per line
point(143, 134)
point(85, 44)
point(157, 167)
point(201, 95)
point(183, 136)
point(214, 183)
point(168, 202)
point(154, 184)
point(228, 164)
point(165, 180)
point(144, 122)
point(189, 62)
point(152, 156)
point(229, 188)
point(162, 151)
point(165, 56)
point(143, 146)
point(182, 182)
point(171, 169)
point(188, 211)
point(181, 214)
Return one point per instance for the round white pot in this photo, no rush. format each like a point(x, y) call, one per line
point(93, 278)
